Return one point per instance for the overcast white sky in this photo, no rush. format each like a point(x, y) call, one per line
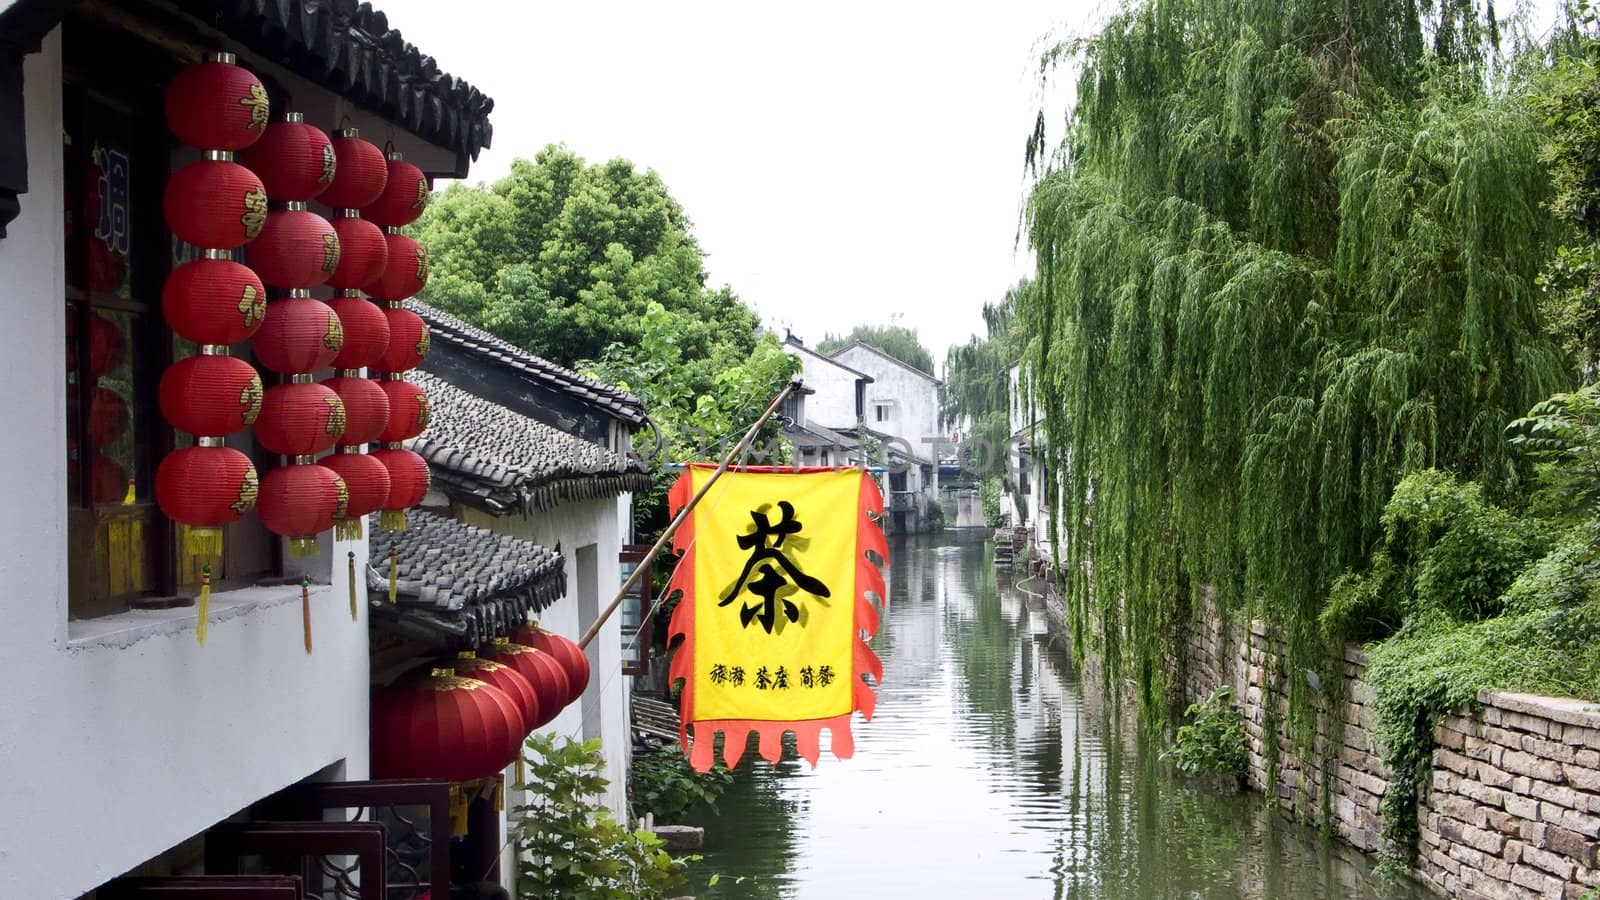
point(842, 162)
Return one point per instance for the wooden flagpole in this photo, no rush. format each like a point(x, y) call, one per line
point(672, 527)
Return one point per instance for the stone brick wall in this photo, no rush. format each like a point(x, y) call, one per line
point(1513, 808)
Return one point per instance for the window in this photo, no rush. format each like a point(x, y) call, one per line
point(636, 633)
point(122, 551)
point(882, 412)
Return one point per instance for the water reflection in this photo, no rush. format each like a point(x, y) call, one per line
point(988, 773)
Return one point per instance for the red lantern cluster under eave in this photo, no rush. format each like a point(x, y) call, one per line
point(443, 726)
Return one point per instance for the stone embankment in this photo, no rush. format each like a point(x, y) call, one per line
point(1511, 810)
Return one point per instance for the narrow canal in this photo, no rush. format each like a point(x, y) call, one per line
point(988, 773)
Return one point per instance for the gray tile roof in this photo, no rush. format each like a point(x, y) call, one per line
point(457, 583)
point(488, 456)
point(444, 327)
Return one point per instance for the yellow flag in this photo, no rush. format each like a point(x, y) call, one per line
point(777, 607)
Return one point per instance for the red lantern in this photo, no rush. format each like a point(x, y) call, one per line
point(296, 249)
point(361, 174)
point(439, 725)
point(293, 160)
point(409, 411)
point(408, 341)
point(216, 204)
point(108, 479)
point(408, 484)
point(366, 408)
point(508, 680)
point(108, 416)
point(363, 253)
point(300, 335)
point(107, 346)
point(367, 482)
point(216, 105)
point(404, 196)
point(210, 395)
point(548, 678)
point(214, 301)
point(206, 487)
point(301, 501)
point(563, 650)
point(407, 270)
point(300, 419)
point(366, 331)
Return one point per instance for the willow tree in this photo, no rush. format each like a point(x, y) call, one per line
point(1287, 254)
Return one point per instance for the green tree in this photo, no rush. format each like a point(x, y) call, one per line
point(898, 341)
point(562, 258)
point(1287, 255)
point(978, 383)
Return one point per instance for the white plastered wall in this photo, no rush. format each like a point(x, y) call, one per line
point(120, 737)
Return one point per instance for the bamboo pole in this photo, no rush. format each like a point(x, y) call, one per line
point(672, 527)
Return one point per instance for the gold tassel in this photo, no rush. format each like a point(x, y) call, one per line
point(303, 546)
point(348, 530)
point(305, 609)
point(353, 614)
point(458, 810)
point(205, 605)
point(392, 519)
point(499, 794)
point(522, 772)
point(204, 542)
point(394, 572)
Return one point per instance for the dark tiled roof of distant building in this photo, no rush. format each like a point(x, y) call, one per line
point(457, 583)
point(498, 460)
point(444, 327)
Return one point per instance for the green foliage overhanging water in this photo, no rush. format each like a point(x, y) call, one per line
point(1287, 254)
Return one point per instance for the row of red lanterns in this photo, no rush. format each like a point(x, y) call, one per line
point(465, 718)
point(219, 205)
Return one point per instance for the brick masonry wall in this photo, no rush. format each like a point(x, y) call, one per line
point(1512, 811)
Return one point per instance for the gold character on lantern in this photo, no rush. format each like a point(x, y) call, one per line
point(422, 343)
point(335, 424)
point(343, 504)
point(424, 411)
point(248, 488)
point(327, 165)
point(252, 305)
point(423, 266)
point(250, 401)
point(421, 202)
point(257, 104)
point(330, 253)
point(255, 213)
point(334, 338)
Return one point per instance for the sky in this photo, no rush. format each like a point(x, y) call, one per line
point(841, 163)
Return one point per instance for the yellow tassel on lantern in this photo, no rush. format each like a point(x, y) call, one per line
point(203, 541)
point(353, 614)
point(458, 810)
point(522, 772)
point(499, 794)
point(348, 530)
point(394, 572)
point(205, 605)
point(392, 519)
point(303, 546)
point(130, 497)
point(305, 609)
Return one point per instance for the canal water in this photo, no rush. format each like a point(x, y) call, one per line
point(988, 773)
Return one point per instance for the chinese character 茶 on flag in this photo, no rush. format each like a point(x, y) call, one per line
point(778, 606)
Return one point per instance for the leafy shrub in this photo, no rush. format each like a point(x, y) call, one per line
point(572, 848)
point(1213, 742)
point(665, 784)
